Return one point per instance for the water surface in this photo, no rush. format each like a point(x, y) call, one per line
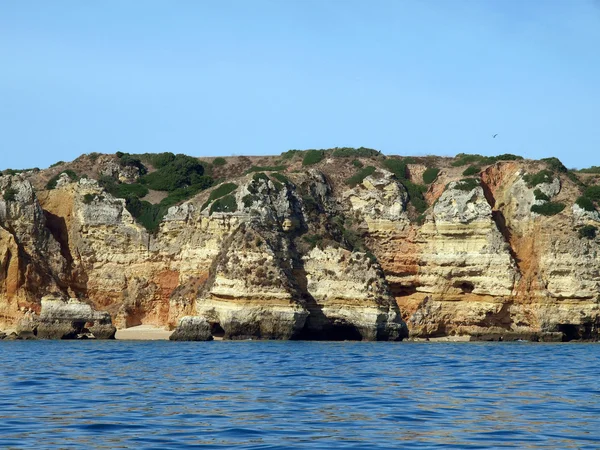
point(275, 395)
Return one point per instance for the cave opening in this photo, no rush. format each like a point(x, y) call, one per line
point(465, 286)
point(570, 332)
point(216, 330)
point(343, 332)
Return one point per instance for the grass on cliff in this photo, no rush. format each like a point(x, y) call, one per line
point(462, 159)
point(312, 157)
point(9, 194)
point(467, 184)
point(588, 232)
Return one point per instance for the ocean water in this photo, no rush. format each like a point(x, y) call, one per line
point(276, 395)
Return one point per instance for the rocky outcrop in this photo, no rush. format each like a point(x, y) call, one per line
point(304, 254)
point(192, 328)
point(71, 319)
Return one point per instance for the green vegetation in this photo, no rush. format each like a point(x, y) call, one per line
point(430, 175)
point(396, 166)
point(280, 177)
point(541, 177)
point(260, 176)
point(58, 163)
point(471, 170)
point(52, 182)
point(555, 165)
point(463, 159)
point(539, 195)
point(158, 160)
point(415, 195)
point(467, 184)
point(130, 190)
point(359, 176)
point(593, 169)
point(350, 152)
point(10, 194)
point(224, 204)
point(593, 193)
point(588, 232)
point(290, 154)
point(312, 157)
point(222, 190)
point(218, 162)
point(182, 171)
point(548, 209)
point(266, 169)
point(248, 200)
point(313, 240)
point(585, 203)
point(127, 160)
point(357, 163)
point(88, 198)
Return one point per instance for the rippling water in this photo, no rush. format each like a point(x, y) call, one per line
point(268, 395)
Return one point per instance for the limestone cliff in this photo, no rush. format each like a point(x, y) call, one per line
point(340, 249)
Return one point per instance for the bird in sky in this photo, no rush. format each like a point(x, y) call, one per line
point(494, 136)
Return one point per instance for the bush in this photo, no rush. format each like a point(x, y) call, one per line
point(58, 163)
point(359, 176)
point(224, 204)
point(541, 177)
point(178, 173)
point(415, 195)
point(396, 166)
point(548, 209)
point(585, 203)
point(52, 182)
point(539, 195)
point(467, 184)
point(10, 194)
point(218, 162)
point(588, 232)
point(430, 175)
point(555, 165)
point(357, 163)
point(313, 157)
point(222, 190)
point(463, 159)
point(88, 198)
point(593, 169)
point(593, 193)
point(265, 169)
point(130, 190)
point(126, 160)
point(290, 154)
point(280, 177)
point(349, 152)
point(471, 170)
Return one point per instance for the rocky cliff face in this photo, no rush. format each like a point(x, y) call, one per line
point(310, 255)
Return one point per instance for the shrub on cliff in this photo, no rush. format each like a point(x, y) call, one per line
point(396, 166)
point(224, 204)
point(180, 172)
point(541, 177)
point(588, 232)
point(471, 170)
point(218, 162)
point(313, 157)
point(539, 195)
point(359, 176)
point(10, 194)
point(430, 175)
point(127, 160)
point(415, 195)
point(548, 209)
point(585, 203)
point(52, 182)
point(593, 193)
point(467, 184)
point(349, 152)
point(593, 169)
point(266, 169)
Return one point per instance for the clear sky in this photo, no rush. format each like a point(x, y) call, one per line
point(261, 77)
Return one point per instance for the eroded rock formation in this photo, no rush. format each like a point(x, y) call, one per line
point(306, 255)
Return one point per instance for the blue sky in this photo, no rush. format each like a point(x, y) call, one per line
point(261, 77)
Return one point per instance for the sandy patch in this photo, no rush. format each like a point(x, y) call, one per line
point(143, 333)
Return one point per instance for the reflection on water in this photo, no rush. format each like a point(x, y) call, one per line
point(269, 395)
